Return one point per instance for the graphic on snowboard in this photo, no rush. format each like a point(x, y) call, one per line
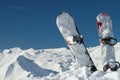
point(107, 41)
point(74, 40)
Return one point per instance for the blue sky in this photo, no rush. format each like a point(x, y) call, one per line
point(32, 23)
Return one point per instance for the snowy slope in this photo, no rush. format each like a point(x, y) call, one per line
point(51, 64)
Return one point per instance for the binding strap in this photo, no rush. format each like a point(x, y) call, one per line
point(78, 39)
point(108, 66)
point(109, 40)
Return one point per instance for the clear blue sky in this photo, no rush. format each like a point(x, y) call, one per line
point(32, 23)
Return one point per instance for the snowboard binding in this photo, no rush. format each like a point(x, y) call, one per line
point(78, 39)
point(109, 40)
point(112, 65)
point(72, 40)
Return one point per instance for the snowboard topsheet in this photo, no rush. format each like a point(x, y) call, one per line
point(107, 40)
point(68, 29)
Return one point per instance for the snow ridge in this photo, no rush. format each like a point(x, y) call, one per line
point(51, 64)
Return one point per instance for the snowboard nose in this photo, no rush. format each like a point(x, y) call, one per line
point(103, 18)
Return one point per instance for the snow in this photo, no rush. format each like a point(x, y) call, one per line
point(51, 64)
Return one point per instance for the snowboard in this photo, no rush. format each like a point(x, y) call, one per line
point(106, 38)
point(74, 40)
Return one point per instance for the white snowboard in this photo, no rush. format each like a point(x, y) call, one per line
point(104, 23)
point(68, 29)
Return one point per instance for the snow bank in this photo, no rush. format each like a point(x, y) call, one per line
point(51, 64)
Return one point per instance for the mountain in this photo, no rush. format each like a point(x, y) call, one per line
point(51, 64)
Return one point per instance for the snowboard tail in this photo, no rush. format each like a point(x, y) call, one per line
point(74, 40)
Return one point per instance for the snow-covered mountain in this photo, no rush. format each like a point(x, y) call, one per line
point(51, 64)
